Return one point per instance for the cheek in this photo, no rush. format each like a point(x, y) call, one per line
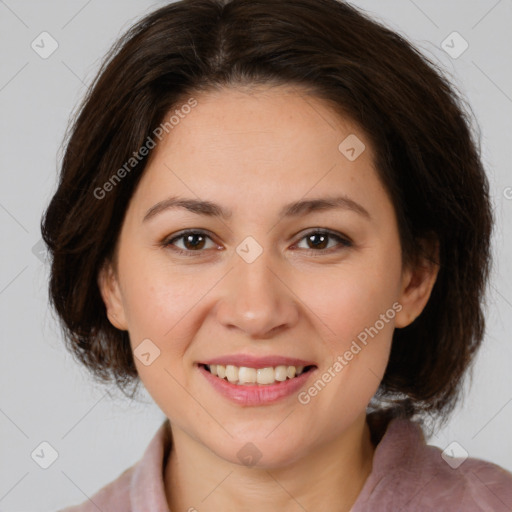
point(360, 321)
point(357, 323)
point(356, 307)
point(162, 308)
point(353, 298)
point(153, 293)
point(157, 302)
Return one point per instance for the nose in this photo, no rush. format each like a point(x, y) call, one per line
point(257, 300)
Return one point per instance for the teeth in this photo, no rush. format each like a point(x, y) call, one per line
point(291, 371)
point(232, 373)
point(265, 376)
point(281, 372)
point(245, 375)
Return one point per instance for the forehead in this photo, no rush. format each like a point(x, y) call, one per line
point(259, 145)
point(259, 121)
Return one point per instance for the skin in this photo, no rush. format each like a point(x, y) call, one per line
point(253, 151)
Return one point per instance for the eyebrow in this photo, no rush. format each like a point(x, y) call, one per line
point(295, 209)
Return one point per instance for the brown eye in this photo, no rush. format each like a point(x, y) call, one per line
point(318, 241)
point(192, 242)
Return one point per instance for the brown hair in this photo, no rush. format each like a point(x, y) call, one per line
point(426, 156)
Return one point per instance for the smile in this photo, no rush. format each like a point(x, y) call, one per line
point(249, 386)
point(244, 375)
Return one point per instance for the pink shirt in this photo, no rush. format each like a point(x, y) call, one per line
point(407, 475)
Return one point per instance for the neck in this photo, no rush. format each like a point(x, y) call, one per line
point(329, 477)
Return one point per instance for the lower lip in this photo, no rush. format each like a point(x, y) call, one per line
point(257, 394)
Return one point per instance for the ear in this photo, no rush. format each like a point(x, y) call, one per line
point(417, 282)
point(112, 297)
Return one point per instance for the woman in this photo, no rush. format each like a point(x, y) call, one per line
point(274, 216)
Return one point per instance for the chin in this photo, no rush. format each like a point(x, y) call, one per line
point(256, 451)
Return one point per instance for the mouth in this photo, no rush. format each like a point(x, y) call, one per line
point(259, 384)
point(248, 376)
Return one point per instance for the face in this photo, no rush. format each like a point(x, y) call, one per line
point(257, 283)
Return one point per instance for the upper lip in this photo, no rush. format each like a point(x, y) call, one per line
point(251, 361)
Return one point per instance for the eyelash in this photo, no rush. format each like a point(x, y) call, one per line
point(344, 241)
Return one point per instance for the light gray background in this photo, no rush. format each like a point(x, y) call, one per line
point(44, 394)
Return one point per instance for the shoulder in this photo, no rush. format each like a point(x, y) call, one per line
point(408, 474)
point(488, 485)
point(472, 484)
point(140, 487)
point(113, 496)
